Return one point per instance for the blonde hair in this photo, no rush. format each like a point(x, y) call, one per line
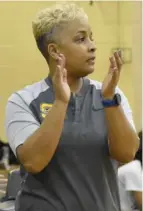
point(52, 17)
point(50, 21)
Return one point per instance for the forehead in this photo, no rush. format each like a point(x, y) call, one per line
point(75, 26)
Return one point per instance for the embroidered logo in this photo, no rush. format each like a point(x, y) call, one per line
point(44, 107)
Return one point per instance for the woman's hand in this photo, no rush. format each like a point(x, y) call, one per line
point(111, 80)
point(61, 87)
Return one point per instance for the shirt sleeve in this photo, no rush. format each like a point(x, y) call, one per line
point(20, 122)
point(133, 178)
point(126, 108)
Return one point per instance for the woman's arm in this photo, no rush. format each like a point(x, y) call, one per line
point(35, 144)
point(38, 149)
point(123, 140)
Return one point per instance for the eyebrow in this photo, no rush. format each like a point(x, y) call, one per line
point(84, 32)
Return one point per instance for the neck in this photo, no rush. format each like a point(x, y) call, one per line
point(74, 83)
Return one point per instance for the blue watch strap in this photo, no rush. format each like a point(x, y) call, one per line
point(114, 102)
point(109, 103)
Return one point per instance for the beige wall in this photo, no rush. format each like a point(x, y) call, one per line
point(21, 62)
point(130, 36)
point(137, 64)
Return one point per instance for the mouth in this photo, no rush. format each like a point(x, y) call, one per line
point(91, 60)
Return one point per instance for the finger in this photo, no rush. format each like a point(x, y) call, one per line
point(58, 71)
point(62, 66)
point(117, 55)
point(61, 60)
point(118, 60)
point(121, 56)
point(113, 62)
point(61, 72)
point(120, 53)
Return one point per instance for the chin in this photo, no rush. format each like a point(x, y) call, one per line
point(86, 73)
point(89, 71)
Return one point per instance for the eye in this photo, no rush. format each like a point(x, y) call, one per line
point(81, 39)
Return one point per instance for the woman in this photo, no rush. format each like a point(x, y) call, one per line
point(68, 131)
point(130, 182)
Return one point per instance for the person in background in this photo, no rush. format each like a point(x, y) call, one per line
point(8, 161)
point(130, 182)
point(3, 179)
point(3, 185)
point(7, 157)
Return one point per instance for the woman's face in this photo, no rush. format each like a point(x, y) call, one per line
point(78, 47)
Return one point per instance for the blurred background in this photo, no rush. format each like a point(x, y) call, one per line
point(115, 25)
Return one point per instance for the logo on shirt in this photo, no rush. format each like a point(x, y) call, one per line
point(44, 107)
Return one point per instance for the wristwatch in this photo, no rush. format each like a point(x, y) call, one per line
point(116, 101)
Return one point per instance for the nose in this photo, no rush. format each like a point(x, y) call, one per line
point(91, 47)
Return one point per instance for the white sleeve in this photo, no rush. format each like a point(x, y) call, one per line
point(133, 177)
point(126, 107)
point(20, 122)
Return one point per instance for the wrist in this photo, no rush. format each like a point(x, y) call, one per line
point(108, 96)
point(111, 101)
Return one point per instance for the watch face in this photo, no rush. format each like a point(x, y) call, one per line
point(118, 99)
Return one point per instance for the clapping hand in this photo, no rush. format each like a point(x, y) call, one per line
point(111, 80)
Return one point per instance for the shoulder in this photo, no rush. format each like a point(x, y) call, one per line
point(28, 93)
point(98, 85)
point(124, 101)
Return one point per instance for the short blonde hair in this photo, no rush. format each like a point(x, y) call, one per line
point(52, 17)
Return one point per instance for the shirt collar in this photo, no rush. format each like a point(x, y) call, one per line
point(82, 91)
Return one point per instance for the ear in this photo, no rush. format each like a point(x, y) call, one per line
point(53, 50)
